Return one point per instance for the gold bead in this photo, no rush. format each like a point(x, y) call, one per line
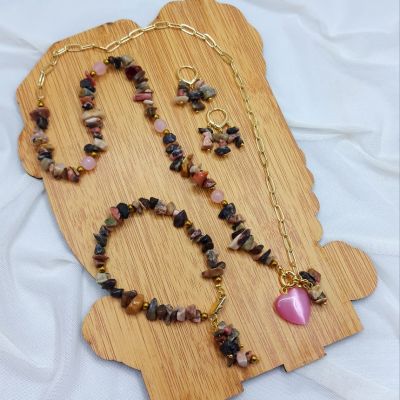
point(224, 203)
point(253, 359)
point(92, 73)
point(230, 356)
point(218, 279)
point(156, 116)
point(94, 154)
point(188, 223)
point(80, 169)
point(105, 61)
point(145, 305)
point(204, 316)
point(166, 131)
point(40, 103)
point(273, 263)
point(130, 206)
point(102, 270)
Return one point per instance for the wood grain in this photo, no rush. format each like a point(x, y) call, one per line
point(179, 362)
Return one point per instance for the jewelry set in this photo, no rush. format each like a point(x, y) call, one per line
point(298, 289)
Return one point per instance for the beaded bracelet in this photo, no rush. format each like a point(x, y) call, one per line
point(92, 119)
point(225, 336)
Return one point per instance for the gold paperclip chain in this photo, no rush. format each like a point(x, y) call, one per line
point(226, 58)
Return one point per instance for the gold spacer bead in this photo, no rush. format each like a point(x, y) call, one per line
point(92, 73)
point(230, 356)
point(105, 61)
point(224, 203)
point(253, 359)
point(130, 206)
point(145, 305)
point(204, 316)
point(40, 103)
point(102, 270)
point(94, 154)
point(166, 131)
point(273, 264)
point(156, 116)
point(80, 169)
point(218, 280)
point(188, 223)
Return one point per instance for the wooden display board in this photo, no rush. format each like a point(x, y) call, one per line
point(180, 361)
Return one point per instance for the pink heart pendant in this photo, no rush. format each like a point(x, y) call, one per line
point(294, 306)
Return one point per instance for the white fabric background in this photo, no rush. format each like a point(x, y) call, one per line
point(333, 66)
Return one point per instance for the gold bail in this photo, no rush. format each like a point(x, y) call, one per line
point(213, 123)
point(182, 78)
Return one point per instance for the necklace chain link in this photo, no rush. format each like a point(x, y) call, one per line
point(228, 59)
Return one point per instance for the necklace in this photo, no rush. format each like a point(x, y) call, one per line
point(296, 286)
point(225, 336)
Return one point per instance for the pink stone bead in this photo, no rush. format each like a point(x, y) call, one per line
point(143, 96)
point(88, 163)
point(160, 125)
point(217, 196)
point(100, 68)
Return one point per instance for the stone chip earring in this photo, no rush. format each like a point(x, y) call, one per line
point(194, 90)
point(221, 133)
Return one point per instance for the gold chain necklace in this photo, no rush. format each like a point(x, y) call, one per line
point(289, 278)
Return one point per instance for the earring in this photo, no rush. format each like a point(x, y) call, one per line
point(194, 90)
point(214, 133)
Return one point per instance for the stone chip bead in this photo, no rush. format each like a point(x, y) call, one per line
point(127, 298)
point(212, 273)
point(109, 284)
point(227, 211)
point(102, 277)
point(181, 314)
point(241, 359)
point(151, 313)
point(135, 306)
point(161, 312)
point(123, 209)
point(180, 218)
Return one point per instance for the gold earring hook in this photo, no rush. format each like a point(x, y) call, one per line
point(182, 78)
point(213, 123)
